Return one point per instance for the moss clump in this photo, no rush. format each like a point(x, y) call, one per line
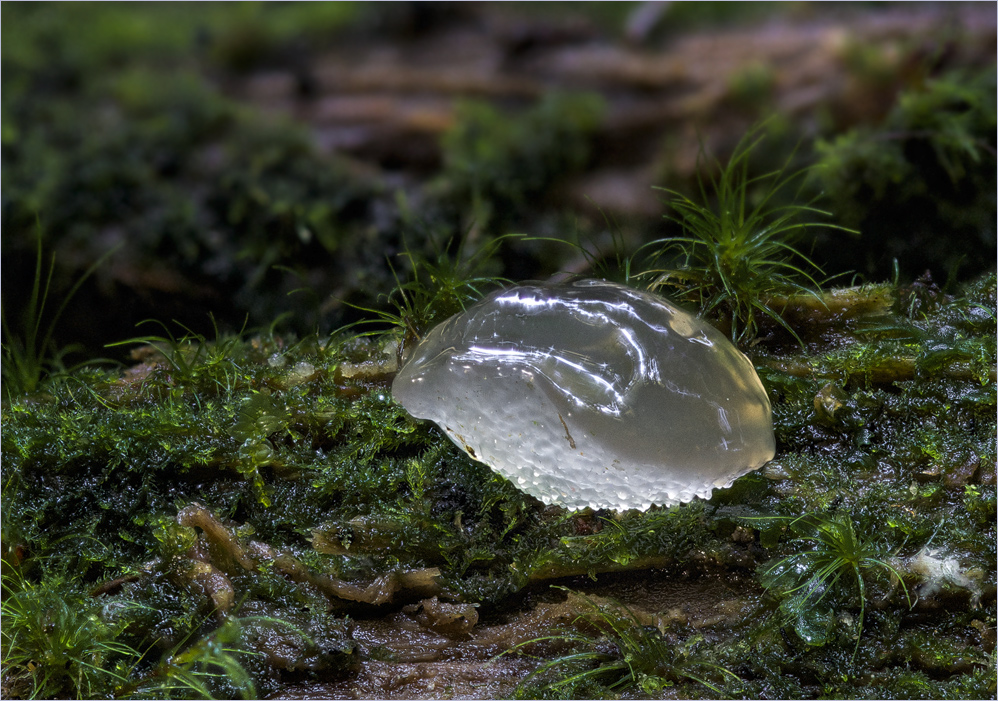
point(127, 136)
point(497, 164)
point(57, 643)
point(188, 180)
point(736, 253)
point(123, 135)
point(920, 186)
point(627, 654)
point(833, 558)
point(252, 477)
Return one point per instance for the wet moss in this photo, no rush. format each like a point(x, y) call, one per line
point(324, 483)
point(328, 502)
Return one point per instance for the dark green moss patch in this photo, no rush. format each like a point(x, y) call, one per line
point(317, 485)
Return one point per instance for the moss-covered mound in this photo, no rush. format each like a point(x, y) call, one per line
point(234, 505)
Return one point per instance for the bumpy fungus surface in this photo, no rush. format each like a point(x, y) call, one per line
point(592, 394)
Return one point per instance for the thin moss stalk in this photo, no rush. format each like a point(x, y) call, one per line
point(737, 253)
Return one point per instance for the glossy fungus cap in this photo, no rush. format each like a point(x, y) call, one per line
point(592, 394)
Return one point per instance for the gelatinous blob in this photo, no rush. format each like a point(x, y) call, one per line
point(592, 394)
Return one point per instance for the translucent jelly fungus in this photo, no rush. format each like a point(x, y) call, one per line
point(592, 394)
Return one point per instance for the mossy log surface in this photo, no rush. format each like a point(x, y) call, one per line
point(278, 484)
point(236, 158)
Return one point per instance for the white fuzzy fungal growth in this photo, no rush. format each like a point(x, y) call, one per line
point(592, 394)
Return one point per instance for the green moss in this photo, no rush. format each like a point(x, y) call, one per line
point(658, 538)
point(199, 186)
point(57, 644)
point(438, 286)
point(627, 655)
point(927, 171)
point(109, 140)
point(124, 134)
point(30, 354)
point(832, 558)
point(752, 86)
point(495, 164)
point(291, 452)
point(736, 252)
